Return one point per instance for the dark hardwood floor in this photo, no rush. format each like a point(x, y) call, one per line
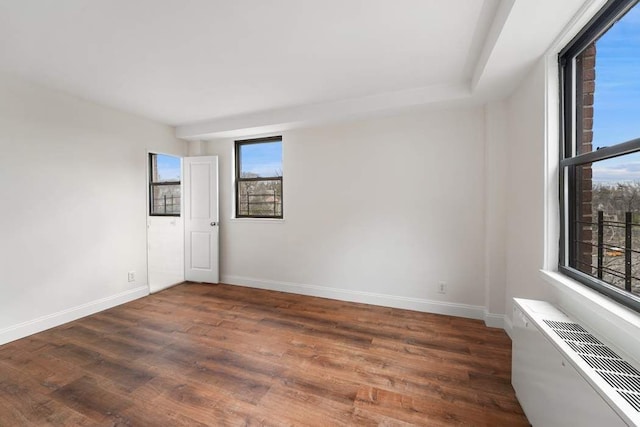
point(224, 355)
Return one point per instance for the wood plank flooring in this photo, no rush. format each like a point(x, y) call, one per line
point(224, 355)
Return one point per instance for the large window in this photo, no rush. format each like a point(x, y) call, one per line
point(600, 154)
point(164, 185)
point(259, 178)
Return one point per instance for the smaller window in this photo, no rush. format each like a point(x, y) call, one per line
point(259, 178)
point(164, 185)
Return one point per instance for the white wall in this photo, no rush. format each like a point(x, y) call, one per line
point(526, 190)
point(73, 205)
point(376, 210)
point(166, 251)
point(495, 186)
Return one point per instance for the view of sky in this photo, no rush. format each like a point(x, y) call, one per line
point(168, 168)
point(617, 97)
point(264, 160)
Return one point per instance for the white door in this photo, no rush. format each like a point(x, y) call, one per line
point(201, 219)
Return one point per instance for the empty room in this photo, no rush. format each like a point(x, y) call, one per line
point(305, 212)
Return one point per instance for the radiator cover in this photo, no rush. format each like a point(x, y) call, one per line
point(563, 375)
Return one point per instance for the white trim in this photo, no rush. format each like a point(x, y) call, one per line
point(49, 321)
point(493, 320)
point(618, 325)
point(155, 291)
point(385, 300)
point(262, 220)
point(573, 27)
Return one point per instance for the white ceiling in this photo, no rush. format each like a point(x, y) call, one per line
point(215, 66)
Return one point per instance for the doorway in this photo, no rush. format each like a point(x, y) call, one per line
point(165, 225)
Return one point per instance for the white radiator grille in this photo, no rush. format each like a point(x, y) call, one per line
point(594, 350)
point(633, 399)
point(619, 374)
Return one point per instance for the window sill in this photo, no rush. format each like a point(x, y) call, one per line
point(615, 322)
point(263, 220)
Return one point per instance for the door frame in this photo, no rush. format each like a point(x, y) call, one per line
point(216, 222)
point(148, 206)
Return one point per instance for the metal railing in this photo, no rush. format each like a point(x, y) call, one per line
point(166, 204)
point(614, 250)
point(269, 207)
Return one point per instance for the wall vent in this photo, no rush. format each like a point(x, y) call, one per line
point(619, 374)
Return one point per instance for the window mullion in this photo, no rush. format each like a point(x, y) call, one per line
point(604, 153)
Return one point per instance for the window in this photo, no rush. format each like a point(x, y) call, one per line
point(259, 178)
point(600, 154)
point(164, 185)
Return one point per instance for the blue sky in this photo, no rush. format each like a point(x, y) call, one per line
point(168, 168)
point(617, 97)
point(264, 159)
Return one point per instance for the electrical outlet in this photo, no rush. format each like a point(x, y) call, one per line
point(442, 287)
point(131, 276)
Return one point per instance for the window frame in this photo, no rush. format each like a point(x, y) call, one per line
point(569, 119)
point(153, 184)
point(238, 179)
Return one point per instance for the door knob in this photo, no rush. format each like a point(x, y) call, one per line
point(213, 224)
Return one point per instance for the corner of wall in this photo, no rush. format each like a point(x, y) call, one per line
point(495, 206)
point(49, 321)
point(195, 148)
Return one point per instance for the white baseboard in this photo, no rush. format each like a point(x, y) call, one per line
point(408, 303)
point(494, 320)
point(49, 321)
point(167, 286)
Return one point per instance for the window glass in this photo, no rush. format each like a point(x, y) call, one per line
point(166, 168)
point(259, 178)
point(608, 210)
point(164, 185)
point(260, 198)
point(261, 160)
point(617, 90)
point(166, 200)
point(600, 168)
